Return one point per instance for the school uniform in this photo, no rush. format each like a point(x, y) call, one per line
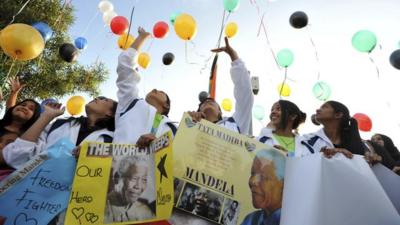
point(266, 136)
point(241, 118)
point(19, 152)
point(134, 116)
point(313, 143)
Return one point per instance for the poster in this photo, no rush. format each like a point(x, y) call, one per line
point(390, 182)
point(37, 192)
point(122, 184)
point(336, 191)
point(222, 177)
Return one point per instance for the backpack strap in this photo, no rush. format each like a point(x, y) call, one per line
point(130, 106)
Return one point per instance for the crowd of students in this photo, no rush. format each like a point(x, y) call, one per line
point(25, 131)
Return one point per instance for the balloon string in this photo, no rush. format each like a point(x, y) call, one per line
point(8, 73)
point(373, 62)
point(150, 45)
point(104, 46)
point(130, 24)
point(19, 11)
point(90, 23)
point(316, 53)
point(186, 56)
point(283, 84)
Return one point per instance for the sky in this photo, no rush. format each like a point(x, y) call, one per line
point(350, 73)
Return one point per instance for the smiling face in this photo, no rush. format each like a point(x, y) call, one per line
point(266, 188)
point(135, 182)
point(24, 111)
point(275, 115)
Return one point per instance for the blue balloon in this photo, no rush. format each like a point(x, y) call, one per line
point(44, 30)
point(44, 102)
point(81, 43)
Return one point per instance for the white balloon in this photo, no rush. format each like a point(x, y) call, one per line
point(108, 16)
point(106, 6)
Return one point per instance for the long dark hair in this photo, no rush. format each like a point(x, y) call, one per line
point(288, 109)
point(390, 147)
point(349, 136)
point(8, 117)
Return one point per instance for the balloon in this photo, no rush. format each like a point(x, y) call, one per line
point(298, 19)
point(364, 122)
point(44, 30)
point(144, 60)
point(231, 5)
point(364, 41)
point(395, 59)
point(168, 58)
point(285, 58)
point(68, 52)
point(285, 90)
point(258, 112)
point(203, 96)
point(322, 91)
point(21, 41)
point(123, 43)
point(119, 25)
point(231, 29)
point(160, 29)
point(105, 6)
point(81, 43)
point(185, 26)
point(108, 16)
point(75, 105)
point(227, 104)
point(173, 16)
point(49, 100)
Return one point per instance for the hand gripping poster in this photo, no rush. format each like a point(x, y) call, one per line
point(122, 184)
point(222, 177)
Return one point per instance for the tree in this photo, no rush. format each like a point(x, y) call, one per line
point(48, 76)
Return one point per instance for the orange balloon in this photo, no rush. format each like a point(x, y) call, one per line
point(21, 42)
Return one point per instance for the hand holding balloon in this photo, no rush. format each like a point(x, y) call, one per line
point(143, 35)
point(228, 49)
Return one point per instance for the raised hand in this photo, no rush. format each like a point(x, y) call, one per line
point(52, 110)
point(16, 86)
point(228, 49)
point(197, 116)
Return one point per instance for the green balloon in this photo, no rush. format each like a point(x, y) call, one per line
point(173, 16)
point(322, 91)
point(285, 58)
point(258, 112)
point(231, 5)
point(364, 41)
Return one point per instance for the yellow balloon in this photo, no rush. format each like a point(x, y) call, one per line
point(283, 91)
point(21, 41)
point(144, 60)
point(75, 105)
point(227, 104)
point(231, 29)
point(123, 39)
point(185, 26)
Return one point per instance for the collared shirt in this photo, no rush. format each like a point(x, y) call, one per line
point(260, 218)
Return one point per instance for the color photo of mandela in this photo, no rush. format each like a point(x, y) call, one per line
point(129, 182)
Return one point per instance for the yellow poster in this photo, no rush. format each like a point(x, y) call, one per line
point(122, 184)
point(223, 177)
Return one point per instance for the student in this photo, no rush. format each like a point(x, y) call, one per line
point(285, 118)
point(138, 120)
point(97, 126)
point(339, 133)
point(387, 143)
point(211, 111)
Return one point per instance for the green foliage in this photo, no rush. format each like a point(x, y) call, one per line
point(50, 76)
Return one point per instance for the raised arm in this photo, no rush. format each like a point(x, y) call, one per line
point(128, 76)
point(242, 89)
point(16, 87)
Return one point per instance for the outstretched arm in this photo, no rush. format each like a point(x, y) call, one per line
point(242, 89)
point(128, 77)
point(16, 87)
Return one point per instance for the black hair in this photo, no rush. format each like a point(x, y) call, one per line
point(349, 135)
point(288, 109)
point(390, 147)
point(166, 111)
point(8, 117)
point(211, 99)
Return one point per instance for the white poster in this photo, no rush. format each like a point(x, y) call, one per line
point(390, 183)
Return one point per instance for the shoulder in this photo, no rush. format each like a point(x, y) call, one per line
point(252, 218)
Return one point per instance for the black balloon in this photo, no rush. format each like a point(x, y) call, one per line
point(203, 96)
point(68, 52)
point(168, 58)
point(395, 59)
point(298, 19)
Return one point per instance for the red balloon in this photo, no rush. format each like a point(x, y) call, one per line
point(364, 122)
point(119, 25)
point(160, 29)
